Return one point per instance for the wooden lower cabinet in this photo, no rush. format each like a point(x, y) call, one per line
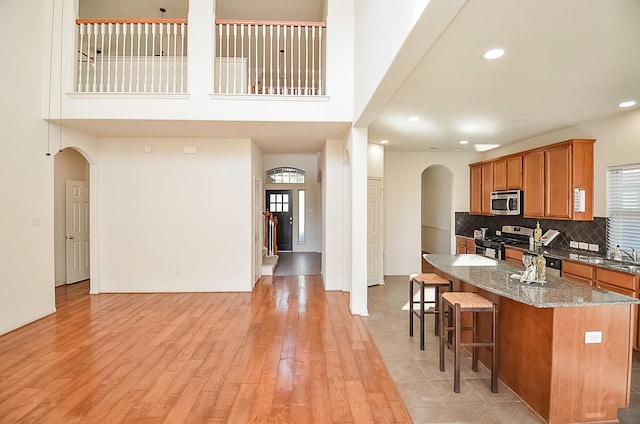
point(578, 272)
point(465, 245)
point(513, 256)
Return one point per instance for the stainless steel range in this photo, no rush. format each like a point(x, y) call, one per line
point(493, 246)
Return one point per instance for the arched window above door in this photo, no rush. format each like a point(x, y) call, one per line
point(285, 175)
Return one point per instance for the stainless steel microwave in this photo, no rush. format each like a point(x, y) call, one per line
point(506, 202)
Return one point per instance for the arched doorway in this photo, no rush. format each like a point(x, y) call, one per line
point(71, 211)
point(436, 214)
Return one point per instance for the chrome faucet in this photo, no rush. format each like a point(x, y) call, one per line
point(633, 255)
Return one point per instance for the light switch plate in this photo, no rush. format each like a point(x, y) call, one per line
point(498, 232)
point(593, 247)
point(573, 244)
point(583, 245)
point(591, 337)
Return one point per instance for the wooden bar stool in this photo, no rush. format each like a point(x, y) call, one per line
point(425, 281)
point(456, 303)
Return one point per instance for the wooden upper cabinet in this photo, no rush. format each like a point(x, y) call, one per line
point(487, 187)
point(558, 182)
point(500, 174)
point(475, 204)
point(533, 184)
point(514, 172)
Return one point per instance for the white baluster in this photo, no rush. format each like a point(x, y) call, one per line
point(242, 51)
point(102, 31)
point(183, 58)
point(92, 60)
point(284, 59)
point(299, 43)
point(146, 55)
point(271, 59)
point(278, 64)
point(110, 29)
point(124, 56)
point(220, 59)
point(139, 33)
point(88, 58)
point(167, 55)
point(264, 56)
point(175, 56)
point(291, 77)
point(161, 35)
point(115, 78)
point(131, 41)
point(258, 88)
point(80, 56)
point(313, 60)
point(227, 32)
point(306, 59)
point(235, 58)
point(249, 61)
point(320, 52)
point(153, 57)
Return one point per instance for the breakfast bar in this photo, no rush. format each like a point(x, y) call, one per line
point(564, 347)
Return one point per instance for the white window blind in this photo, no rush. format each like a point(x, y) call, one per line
point(623, 206)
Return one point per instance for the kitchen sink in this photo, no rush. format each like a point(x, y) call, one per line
point(596, 261)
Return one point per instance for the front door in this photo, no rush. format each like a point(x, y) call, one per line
point(280, 203)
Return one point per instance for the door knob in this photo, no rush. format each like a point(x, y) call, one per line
point(71, 237)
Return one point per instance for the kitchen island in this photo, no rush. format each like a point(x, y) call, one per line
point(564, 347)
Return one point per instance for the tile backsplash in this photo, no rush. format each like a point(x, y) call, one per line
point(594, 232)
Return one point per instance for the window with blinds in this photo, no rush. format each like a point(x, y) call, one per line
point(623, 206)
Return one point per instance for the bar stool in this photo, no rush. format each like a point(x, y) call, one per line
point(425, 281)
point(456, 303)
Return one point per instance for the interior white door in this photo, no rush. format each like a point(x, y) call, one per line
point(77, 231)
point(374, 232)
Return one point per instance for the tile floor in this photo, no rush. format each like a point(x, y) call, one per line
point(428, 393)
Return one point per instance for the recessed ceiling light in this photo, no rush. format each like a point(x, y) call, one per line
point(384, 141)
point(464, 141)
point(494, 54)
point(414, 118)
point(627, 103)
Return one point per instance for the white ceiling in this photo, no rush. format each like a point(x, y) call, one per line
point(566, 61)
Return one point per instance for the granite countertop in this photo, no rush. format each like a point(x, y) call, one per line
point(586, 258)
point(495, 276)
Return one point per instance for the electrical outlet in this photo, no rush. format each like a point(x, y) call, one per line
point(594, 247)
point(573, 244)
point(591, 337)
point(583, 245)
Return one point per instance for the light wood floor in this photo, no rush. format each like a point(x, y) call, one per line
point(289, 352)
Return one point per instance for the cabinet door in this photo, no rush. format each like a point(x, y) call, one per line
point(514, 173)
point(500, 174)
point(487, 187)
point(533, 184)
point(475, 203)
point(513, 256)
point(558, 182)
point(578, 272)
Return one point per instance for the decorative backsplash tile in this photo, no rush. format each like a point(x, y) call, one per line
point(594, 232)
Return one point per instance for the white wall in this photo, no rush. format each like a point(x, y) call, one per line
point(402, 204)
point(26, 174)
point(257, 228)
point(375, 161)
point(69, 165)
point(617, 143)
point(171, 221)
point(332, 214)
point(308, 163)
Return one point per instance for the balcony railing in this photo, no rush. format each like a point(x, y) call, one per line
point(131, 56)
point(150, 56)
point(266, 57)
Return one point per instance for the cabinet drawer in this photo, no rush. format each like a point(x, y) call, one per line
point(576, 278)
point(615, 289)
point(615, 278)
point(580, 270)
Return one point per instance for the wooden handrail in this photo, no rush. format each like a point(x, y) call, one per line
point(131, 21)
point(275, 23)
